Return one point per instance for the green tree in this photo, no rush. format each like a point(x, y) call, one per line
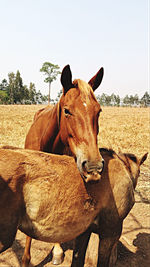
point(11, 87)
point(115, 100)
point(3, 92)
point(19, 90)
point(3, 85)
point(14, 91)
point(3, 97)
point(32, 93)
point(145, 100)
point(51, 71)
point(136, 99)
point(58, 96)
point(131, 100)
point(102, 99)
point(108, 100)
point(126, 100)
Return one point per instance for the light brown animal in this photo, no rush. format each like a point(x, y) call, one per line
point(70, 127)
point(53, 204)
point(118, 182)
point(44, 196)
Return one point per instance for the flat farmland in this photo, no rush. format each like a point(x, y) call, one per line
point(120, 128)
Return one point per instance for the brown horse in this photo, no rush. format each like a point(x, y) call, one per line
point(117, 199)
point(51, 203)
point(70, 127)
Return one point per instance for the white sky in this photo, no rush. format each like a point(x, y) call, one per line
point(86, 34)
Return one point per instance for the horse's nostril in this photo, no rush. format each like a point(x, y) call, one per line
point(84, 165)
point(101, 167)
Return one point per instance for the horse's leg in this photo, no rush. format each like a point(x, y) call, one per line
point(26, 256)
point(107, 251)
point(7, 236)
point(114, 255)
point(79, 251)
point(58, 254)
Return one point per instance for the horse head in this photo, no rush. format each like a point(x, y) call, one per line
point(78, 123)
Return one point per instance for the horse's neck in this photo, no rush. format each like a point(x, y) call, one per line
point(60, 148)
point(51, 141)
point(50, 130)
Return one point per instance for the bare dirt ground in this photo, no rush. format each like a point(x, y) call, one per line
point(127, 129)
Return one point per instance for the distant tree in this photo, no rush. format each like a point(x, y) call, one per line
point(136, 100)
point(3, 97)
point(51, 71)
point(108, 100)
point(58, 96)
point(15, 92)
point(131, 100)
point(145, 100)
point(126, 100)
point(38, 97)
point(32, 93)
point(3, 92)
point(11, 87)
point(102, 99)
point(44, 98)
point(34, 97)
point(19, 90)
point(115, 100)
point(3, 85)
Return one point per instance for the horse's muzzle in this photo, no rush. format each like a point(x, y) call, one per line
point(91, 171)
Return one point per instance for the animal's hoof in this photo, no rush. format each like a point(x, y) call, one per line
point(57, 259)
point(58, 255)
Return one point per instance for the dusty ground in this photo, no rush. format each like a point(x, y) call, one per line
point(127, 129)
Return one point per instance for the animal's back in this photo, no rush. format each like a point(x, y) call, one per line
point(55, 203)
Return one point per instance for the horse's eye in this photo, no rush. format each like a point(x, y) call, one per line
point(67, 112)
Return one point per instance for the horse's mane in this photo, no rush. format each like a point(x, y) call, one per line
point(83, 87)
point(107, 152)
point(131, 156)
point(122, 156)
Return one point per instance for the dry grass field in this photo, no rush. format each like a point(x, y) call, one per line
point(125, 129)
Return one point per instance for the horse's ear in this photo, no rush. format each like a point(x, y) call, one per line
point(66, 79)
point(143, 158)
point(96, 80)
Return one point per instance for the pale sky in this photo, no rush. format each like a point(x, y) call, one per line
point(86, 34)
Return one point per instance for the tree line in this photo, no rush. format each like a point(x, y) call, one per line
point(115, 100)
point(13, 91)
point(132, 100)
